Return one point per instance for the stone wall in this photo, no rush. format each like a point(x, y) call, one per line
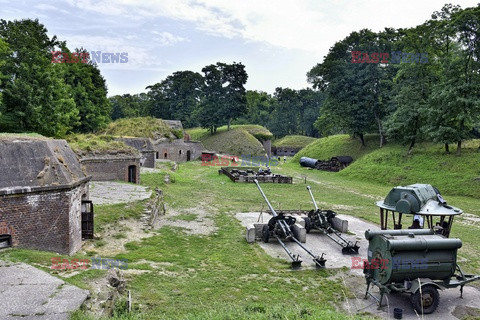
point(148, 158)
point(110, 169)
point(178, 150)
point(267, 145)
point(285, 151)
point(44, 220)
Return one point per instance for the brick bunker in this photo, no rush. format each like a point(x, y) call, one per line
point(42, 192)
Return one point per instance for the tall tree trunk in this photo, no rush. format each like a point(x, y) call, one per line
point(447, 149)
point(383, 140)
point(360, 135)
point(411, 146)
point(228, 127)
point(459, 147)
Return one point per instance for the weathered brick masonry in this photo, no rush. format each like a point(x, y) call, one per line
point(112, 168)
point(42, 186)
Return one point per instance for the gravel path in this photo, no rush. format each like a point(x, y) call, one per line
point(108, 192)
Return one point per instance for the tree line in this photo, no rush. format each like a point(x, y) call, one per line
point(430, 93)
point(218, 97)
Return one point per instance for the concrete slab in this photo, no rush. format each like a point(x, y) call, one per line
point(250, 235)
point(30, 293)
point(317, 242)
point(451, 305)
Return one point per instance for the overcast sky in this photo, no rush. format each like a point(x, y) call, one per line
point(278, 41)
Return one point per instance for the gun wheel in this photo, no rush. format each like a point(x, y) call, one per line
point(265, 233)
point(426, 302)
point(308, 224)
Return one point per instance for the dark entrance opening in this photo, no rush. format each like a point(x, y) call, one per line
point(87, 219)
point(132, 174)
point(158, 155)
point(188, 155)
point(5, 241)
point(165, 155)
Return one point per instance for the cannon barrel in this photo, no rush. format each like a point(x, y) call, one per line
point(313, 199)
point(308, 162)
point(274, 213)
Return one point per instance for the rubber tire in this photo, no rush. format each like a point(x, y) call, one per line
point(265, 233)
point(430, 293)
point(308, 224)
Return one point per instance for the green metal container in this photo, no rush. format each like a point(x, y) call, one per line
point(396, 256)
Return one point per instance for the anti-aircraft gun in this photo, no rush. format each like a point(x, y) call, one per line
point(322, 220)
point(280, 228)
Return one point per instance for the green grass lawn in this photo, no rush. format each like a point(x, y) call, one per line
point(293, 141)
point(391, 166)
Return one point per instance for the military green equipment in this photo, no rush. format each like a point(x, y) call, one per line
point(280, 228)
point(333, 164)
point(322, 220)
point(421, 200)
point(418, 262)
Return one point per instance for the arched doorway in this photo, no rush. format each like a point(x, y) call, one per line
point(188, 155)
point(132, 174)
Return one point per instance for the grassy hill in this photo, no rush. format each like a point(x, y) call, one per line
point(141, 127)
point(90, 144)
point(293, 141)
point(240, 139)
point(391, 166)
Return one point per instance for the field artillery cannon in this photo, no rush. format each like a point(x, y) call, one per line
point(418, 262)
point(280, 228)
point(322, 220)
point(334, 164)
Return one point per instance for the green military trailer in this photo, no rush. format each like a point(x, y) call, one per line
point(418, 262)
point(422, 201)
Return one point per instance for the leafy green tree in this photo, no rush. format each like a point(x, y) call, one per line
point(180, 94)
point(35, 96)
point(89, 90)
point(352, 89)
point(285, 118)
point(224, 95)
point(455, 98)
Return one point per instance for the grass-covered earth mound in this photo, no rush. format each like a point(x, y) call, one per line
point(391, 165)
point(239, 140)
point(91, 145)
point(293, 141)
point(147, 127)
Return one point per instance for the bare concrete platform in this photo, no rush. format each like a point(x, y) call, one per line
point(29, 293)
point(317, 242)
point(451, 305)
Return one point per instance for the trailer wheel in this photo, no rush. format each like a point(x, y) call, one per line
point(429, 299)
point(265, 233)
point(308, 224)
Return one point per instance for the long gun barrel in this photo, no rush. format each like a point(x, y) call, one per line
point(319, 261)
point(274, 213)
point(285, 228)
point(321, 222)
point(313, 199)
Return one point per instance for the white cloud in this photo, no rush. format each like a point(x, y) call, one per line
point(166, 38)
point(44, 6)
point(308, 25)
